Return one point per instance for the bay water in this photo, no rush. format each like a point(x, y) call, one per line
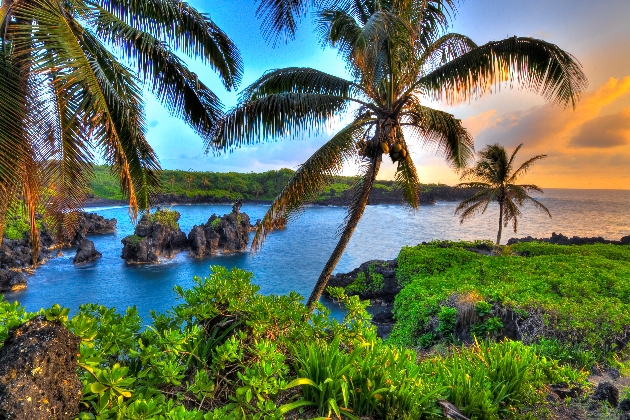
point(292, 259)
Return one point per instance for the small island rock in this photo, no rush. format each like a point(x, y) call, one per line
point(225, 234)
point(86, 252)
point(157, 235)
point(38, 372)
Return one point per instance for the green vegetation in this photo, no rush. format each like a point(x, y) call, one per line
point(165, 217)
point(578, 296)
point(227, 352)
point(373, 282)
point(225, 187)
point(494, 177)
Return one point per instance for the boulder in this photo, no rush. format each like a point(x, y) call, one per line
point(606, 391)
point(229, 233)
point(155, 236)
point(11, 281)
point(86, 252)
point(38, 378)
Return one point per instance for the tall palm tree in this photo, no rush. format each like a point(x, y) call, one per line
point(397, 57)
point(493, 176)
point(71, 78)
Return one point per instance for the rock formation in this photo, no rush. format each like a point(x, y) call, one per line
point(38, 378)
point(11, 281)
point(93, 224)
point(560, 239)
point(221, 234)
point(86, 252)
point(156, 235)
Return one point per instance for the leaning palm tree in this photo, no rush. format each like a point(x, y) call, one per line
point(66, 91)
point(397, 57)
point(493, 176)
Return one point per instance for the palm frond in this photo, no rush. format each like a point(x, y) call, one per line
point(274, 116)
point(524, 168)
point(299, 80)
point(444, 50)
point(406, 177)
point(308, 181)
point(440, 130)
point(169, 79)
point(189, 31)
point(280, 18)
point(532, 64)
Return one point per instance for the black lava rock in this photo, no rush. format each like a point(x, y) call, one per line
point(606, 391)
point(38, 378)
point(86, 252)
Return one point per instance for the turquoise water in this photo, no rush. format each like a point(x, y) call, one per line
point(292, 259)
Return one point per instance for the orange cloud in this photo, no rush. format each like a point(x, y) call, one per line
point(587, 146)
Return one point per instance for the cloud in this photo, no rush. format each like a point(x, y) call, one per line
point(604, 132)
point(153, 123)
point(587, 146)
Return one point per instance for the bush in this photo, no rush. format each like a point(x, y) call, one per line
point(227, 352)
point(581, 294)
point(165, 218)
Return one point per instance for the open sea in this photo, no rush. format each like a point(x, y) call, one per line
point(292, 259)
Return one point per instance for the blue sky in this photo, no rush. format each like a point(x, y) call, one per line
point(587, 148)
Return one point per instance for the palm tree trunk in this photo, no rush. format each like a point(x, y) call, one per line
point(322, 281)
point(500, 223)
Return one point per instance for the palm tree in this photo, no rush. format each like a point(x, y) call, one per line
point(205, 181)
point(172, 181)
point(189, 180)
point(494, 179)
point(66, 92)
point(397, 56)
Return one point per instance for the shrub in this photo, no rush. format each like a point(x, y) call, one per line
point(165, 218)
point(581, 293)
point(227, 352)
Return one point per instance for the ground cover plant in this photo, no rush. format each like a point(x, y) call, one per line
point(227, 352)
point(567, 299)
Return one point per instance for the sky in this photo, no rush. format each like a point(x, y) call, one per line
point(586, 147)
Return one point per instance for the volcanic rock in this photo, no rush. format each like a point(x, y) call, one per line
point(11, 281)
point(375, 280)
point(153, 239)
point(228, 233)
point(93, 224)
point(86, 252)
point(38, 378)
point(606, 391)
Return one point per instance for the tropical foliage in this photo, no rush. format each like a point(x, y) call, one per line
point(494, 178)
point(574, 295)
point(399, 55)
point(66, 92)
point(227, 352)
point(228, 186)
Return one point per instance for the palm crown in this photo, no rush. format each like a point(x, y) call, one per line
point(64, 92)
point(397, 53)
point(494, 177)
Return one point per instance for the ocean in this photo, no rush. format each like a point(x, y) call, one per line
point(292, 259)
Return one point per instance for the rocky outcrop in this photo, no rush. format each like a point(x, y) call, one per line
point(11, 281)
point(86, 252)
point(38, 378)
point(93, 224)
point(225, 234)
point(157, 235)
point(560, 239)
point(17, 254)
point(374, 280)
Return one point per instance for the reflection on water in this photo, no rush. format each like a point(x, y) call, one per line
point(292, 259)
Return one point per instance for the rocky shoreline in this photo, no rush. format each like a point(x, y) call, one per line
point(16, 255)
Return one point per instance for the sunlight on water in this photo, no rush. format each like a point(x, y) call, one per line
point(292, 259)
